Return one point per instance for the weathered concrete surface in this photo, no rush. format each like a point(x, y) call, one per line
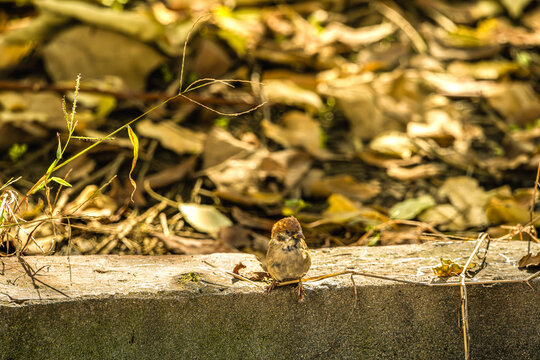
point(134, 308)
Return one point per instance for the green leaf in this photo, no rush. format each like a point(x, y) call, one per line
point(40, 185)
point(222, 122)
point(59, 148)
point(60, 181)
point(408, 209)
point(9, 182)
point(135, 142)
point(293, 206)
point(16, 151)
point(51, 167)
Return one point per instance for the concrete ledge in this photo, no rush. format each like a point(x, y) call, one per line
point(134, 307)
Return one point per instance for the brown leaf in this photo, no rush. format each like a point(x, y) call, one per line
point(91, 202)
point(238, 267)
point(211, 61)
point(452, 53)
point(466, 12)
point(257, 198)
point(513, 98)
point(506, 211)
point(356, 37)
point(394, 144)
point(287, 92)
point(450, 85)
point(345, 185)
point(258, 179)
point(220, 146)
point(93, 48)
point(424, 171)
point(298, 129)
point(377, 160)
point(171, 136)
point(529, 261)
point(253, 276)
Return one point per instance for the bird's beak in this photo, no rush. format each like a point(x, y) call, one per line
point(299, 236)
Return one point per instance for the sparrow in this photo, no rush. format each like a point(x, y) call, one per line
point(287, 257)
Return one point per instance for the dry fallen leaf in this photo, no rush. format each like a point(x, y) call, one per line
point(261, 177)
point(410, 208)
point(395, 144)
point(438, 125)
point(298, 129)
point(93, 52)
point(506, 211)
point(484, 70)
point(238, 267)
point(90, 203)
point(342, 210)
point(44, 108)
point(253, 276)
point(13, 53)
point(445, 217)
point(424, 171)
point(220, 146)
point(241, 29)
point(515, 7)
point(450, 85)
point(359, 101)
point(355, 38)
point(467, 196)
point(204, 218)
point(287, 92)
point(345, 185)
point(529, 261)
point(179, 139)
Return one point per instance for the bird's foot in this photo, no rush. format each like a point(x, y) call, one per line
point(272, 286)
point(301, 291)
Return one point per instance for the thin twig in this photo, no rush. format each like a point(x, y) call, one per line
point(463, 292)
point(220, 112)
point(412, 282)
point(32, 274)
point(159, 197)
point(391, 223)
point(70, 244)
point(533, 204)
point(149, 96)
point(201, 18)
point(232, 274)
point(387, 9)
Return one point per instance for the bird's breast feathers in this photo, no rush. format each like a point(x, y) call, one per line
point(288, 261)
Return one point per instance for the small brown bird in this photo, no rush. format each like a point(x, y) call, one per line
point(287, 257)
